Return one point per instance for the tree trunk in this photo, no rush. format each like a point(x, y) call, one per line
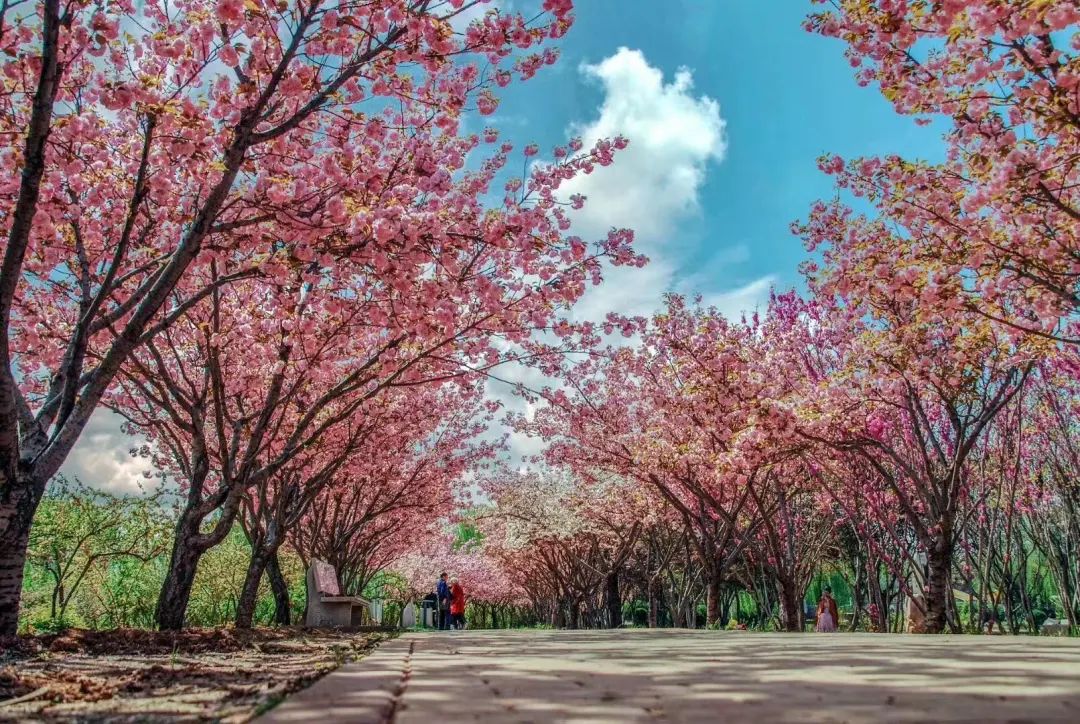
point(654, 602)
point(176, 590)
point(678, 617)
point(189, 545)
point(857, 595)
point(614, 600)
point(20, 490)
point(791, 606)
point(877, 596)
point(558, 618)
point(939, 560)
point(280, 587)
point(249, 593)
point(712, 601)
point(575, 615)
point(16, 517)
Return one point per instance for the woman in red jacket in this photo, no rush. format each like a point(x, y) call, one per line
point(457, 604)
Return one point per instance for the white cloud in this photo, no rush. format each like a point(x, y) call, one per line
point(654, 184)
point(101, 457)
point(733, 303)
point(674, 136)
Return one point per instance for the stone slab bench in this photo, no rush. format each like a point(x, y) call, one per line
point(1054, 627)
point(326, 607)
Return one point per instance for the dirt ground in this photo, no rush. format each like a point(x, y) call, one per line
point(196, 675)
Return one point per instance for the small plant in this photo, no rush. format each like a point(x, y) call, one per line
point(50, 626)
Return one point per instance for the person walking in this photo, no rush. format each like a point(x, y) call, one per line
point(828, 613)
point(445, 596)
point(457, 604)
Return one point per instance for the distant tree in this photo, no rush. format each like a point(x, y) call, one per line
point(78, 529)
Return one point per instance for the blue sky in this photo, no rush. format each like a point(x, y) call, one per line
point(785, 96)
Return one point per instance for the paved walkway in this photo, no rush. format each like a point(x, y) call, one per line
point(686, 676)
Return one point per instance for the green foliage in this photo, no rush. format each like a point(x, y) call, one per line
point(79, 534)
point(98, 560)
point(221, 575)
point(466, 534)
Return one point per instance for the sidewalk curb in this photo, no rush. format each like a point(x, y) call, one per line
point(364, 692)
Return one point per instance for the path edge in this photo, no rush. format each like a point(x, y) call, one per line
point(362, 691)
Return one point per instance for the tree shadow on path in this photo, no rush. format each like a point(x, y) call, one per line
point(726, 676)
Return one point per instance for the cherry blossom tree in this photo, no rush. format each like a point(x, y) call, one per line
point(684, 413)
point(571, 534)
point(149, 144)
point(391, 494)
point(917, 391)
point(994, 229)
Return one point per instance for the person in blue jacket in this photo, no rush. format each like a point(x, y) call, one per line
point(444, 603)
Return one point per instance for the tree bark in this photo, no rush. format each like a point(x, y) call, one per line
point(939, 561)
point(712, 600)
point(614, 599)
point(877, 596)
point(280, 588)
point(249, 592)
point(654, 602)
point(189, 546)
point(176, 590)
point(558, 616)
point(791, 606)
point(16, 516)
point(20, 488)
point(678, 617)
point(857, 595)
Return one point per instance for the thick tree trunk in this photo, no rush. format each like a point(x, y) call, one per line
point(280, 588)
point(189, 546)
point(249, 592)
point(16, 515)
point(614, 599)
point(176, 590)
point(712, 600)
point(791, 606)
point(939, 561)
point(575, 615)
point(21, 491)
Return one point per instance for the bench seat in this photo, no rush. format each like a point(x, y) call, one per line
point(326, 607)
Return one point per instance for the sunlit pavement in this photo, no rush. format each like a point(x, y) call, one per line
point(688, 676)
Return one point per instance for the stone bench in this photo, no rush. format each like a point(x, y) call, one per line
point(326, 607)
point(1055, 627)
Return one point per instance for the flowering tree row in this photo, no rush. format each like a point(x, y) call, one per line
point(243, 224)
point(759, 452)
point(913, 409)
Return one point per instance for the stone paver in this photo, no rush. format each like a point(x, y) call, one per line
point(687, 676)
